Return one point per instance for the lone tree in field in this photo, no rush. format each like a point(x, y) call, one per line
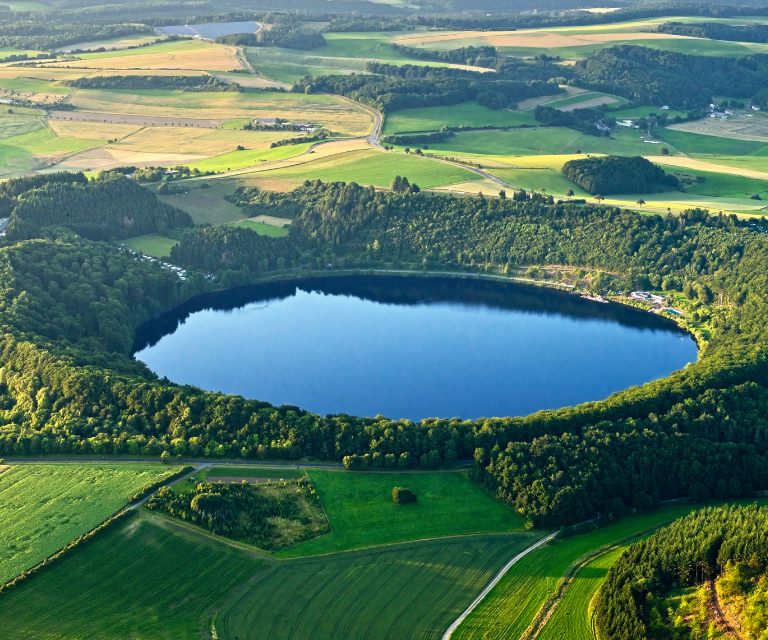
point(664, 151)
point(165, 457)
point(569, 193)
point(403, 496)
point(599, 198)
point(640, 202)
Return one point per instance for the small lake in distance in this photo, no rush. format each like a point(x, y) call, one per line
point(411, 347)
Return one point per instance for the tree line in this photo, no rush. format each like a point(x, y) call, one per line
point(717, 31)
point(630, 603)
point(140, 83)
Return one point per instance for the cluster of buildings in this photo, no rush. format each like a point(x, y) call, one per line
point(182, 273)
point(276, 122)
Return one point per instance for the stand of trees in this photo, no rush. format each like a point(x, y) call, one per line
point(181, 83)
point(42, 35)
point(717, 31)
point(286, 31)
point(630, 606)
point(583, 120)
point(472, 56)
point(71, 308)
point(618, 174)
point(391, 88)
point(651, 76)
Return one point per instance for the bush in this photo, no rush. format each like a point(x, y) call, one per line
point(403, 496)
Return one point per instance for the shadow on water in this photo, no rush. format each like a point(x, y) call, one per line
point(410, 291)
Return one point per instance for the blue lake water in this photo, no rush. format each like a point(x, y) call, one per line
point(411, 347)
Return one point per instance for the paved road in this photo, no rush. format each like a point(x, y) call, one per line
point(493, 583)
point(169, 484)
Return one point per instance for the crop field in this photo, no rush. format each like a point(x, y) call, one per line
point(413, 590)
point(585, 100)
point(726, 185)
point(698, 144)
point(10, 127)
point(247, 158)
point(154, 245)
point(337, 115)
point(378, 169)
point(448, 504)
point(571, 617)
point(91, 130)
point(44, 507)
point(469, 114)
point(146, 579)
point(512, 604)
point(553, 182)
point(748, 166)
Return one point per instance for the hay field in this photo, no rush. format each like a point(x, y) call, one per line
point(43, 507)
point(738, 128)
point(106, 157)
point(183, 54)
point(472, 188)
point(735, 166)
point(332, 113)
point(321, 151)
point(153, 245)
point(198, 142)
point(91, 130)
point(411, 590)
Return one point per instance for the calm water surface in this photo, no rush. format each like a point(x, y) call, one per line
point(411, 347)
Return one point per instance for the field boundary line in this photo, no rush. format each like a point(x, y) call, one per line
point(494, 582)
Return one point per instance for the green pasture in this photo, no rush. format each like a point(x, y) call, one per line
point(552, 181)
point(43, 507)
point(376, 168)
point(154, 245)
point(571, 617)
point(519, 142)
point(43, 142)
point(362, 513)
point(207, 205)
point(469, 114)
point(263, 229)
point(585, 97)
point(724, 185)
point(644, 112)
point(10, 127)
point(15, 161)
point(249, 157)
point(700, 144)
point(139, 580)
point(512, 604)
point(413, 590)
point(755, 162)
point(32, 85)
point(352, 45)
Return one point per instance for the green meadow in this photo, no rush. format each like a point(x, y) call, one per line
point(43, 507)
point(144, 579)
point(263, 229)
point(247, 158)
point(699, 144)
point(376, 168)
point(362, 513)
point(469, 114)
point(154, 245)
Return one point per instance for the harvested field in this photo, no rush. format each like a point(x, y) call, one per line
point(124, 118)
point(254, 82)
point(486, 187)
point(326, 150)
point(91, 130)
point(530, 103)
point(198, 142)
point(108, 158)
point(691, 163)
point(595, 102)
point(534, 39)
point(739, 128)
point(116, 43)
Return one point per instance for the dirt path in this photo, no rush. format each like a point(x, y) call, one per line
point(730, 629)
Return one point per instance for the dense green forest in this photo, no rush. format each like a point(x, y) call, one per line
point(583, 120)
point(618, 174)
point(72, 306)
point(390, 88)
point(655, 77)
point(43, 35)
point(717, 31)
point(286, 31)
point(729, 542)
point(99, 210)
point(181, 83)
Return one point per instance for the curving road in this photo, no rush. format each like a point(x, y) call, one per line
point(492, 584)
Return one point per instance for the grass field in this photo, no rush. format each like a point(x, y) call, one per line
point(469, 114)
point(554, 182)
point(571, 617)
point(252, 472)
point(377, 168)
point(154, 245)
point(414, 590)
point(138, 581)
point(362, 513)
point(208, 205)
point(44, 507)
point(698, 144)
point(726, 185)
point(240, 159)
point(263, 229)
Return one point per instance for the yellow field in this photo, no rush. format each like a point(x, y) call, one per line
point(41, 73)
point(91, 130)
point(107, 157)
point(329, 150)
point(486, 187)
point(690, 163)
point(199, 142)
point(211, 57)
point(539, 39)
point(336, 115)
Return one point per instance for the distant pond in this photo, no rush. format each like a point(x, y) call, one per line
point(411, 347)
